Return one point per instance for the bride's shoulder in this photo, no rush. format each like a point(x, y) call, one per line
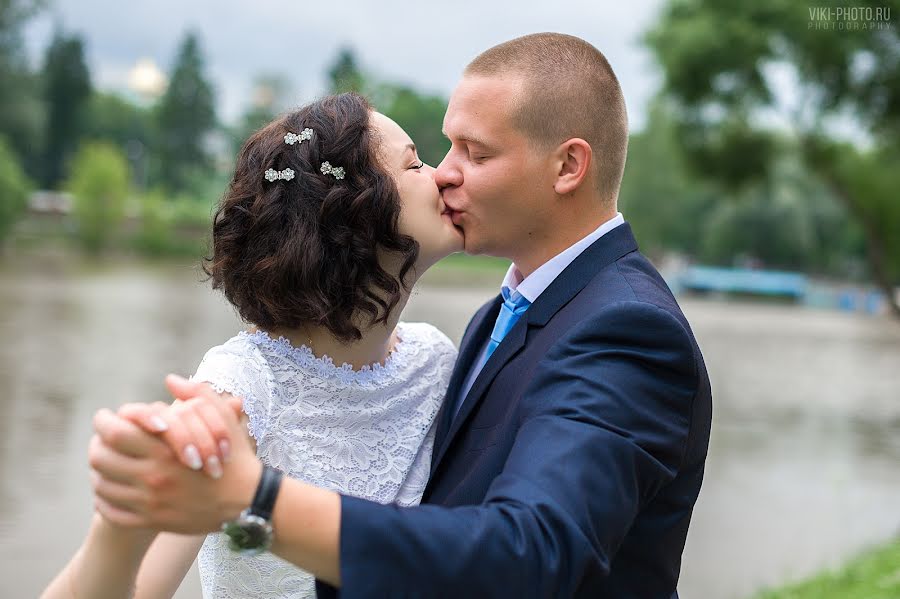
point(240, 348)
point(428, 337)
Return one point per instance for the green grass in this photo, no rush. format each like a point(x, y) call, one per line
point(873, 575)
point(479, 263)
point(460, 270)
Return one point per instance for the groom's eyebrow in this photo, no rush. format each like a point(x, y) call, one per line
point(469, 138)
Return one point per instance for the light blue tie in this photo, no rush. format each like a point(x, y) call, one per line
point(514, 305)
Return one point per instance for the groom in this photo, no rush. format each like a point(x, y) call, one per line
point(571, 445)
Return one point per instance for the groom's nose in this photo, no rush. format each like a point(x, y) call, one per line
point(447, 173)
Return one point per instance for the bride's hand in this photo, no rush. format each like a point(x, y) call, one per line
point(195, 429)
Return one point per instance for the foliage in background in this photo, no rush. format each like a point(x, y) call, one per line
point(873, 575)
point(663, 202)
point(130, 127)
point(720, 62)
point(100, 183)
point(185, 118)
point(420, 115)
point(786, 208)
point(171, 227)
point(345, 75)
point(791, 224)
point(66, 91)
point(791, 221)
point(270, 97)
point(866, 181)
point(21, 112)
point(14, 188)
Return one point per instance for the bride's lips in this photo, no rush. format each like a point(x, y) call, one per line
point(448, 212)
point(452, 215)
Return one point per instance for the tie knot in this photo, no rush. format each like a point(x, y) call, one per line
point(514, 301)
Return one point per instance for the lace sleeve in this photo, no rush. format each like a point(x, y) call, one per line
point(238, 369)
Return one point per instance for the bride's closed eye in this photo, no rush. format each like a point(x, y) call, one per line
point(417, 166)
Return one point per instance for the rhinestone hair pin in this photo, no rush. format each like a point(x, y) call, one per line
point(292, 138)
point(335, 171)
point(273, 175)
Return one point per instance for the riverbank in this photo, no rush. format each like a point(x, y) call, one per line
point(455, 271)
point(875, 574)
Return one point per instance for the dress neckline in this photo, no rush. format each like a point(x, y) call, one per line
point(324, 366)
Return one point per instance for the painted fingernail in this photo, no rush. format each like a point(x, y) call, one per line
point(225, 448)
point(159, 425)
point(214, 467)
point(192, 456)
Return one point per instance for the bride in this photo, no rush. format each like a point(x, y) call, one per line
point(328, 221)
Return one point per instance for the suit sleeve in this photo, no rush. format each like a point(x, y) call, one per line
point(602, 427)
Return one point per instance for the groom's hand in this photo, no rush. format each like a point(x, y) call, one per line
point(139, 482)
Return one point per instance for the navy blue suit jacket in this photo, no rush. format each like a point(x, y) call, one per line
point(574, 462)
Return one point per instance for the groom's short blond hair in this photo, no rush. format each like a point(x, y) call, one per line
point(570, 91)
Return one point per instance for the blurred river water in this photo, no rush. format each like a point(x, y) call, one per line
point(802, 471)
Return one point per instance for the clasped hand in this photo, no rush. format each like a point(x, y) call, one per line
point(185, 467)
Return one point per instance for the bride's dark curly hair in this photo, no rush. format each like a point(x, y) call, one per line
point(305, 251)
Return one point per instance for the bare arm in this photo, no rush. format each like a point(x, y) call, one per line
point(116, 562)
point(166, 564)
point(106, 564)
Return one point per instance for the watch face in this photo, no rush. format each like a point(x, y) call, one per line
point(248, 535)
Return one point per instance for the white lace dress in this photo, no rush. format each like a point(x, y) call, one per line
point(367, 433)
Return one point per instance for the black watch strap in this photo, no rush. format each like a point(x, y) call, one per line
point(266, 492)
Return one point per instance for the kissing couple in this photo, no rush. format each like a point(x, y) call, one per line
point(332, 450)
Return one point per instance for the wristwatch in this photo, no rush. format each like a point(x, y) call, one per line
point(251, 533)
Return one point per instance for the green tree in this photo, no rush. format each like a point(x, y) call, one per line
point(718, 61)
point(21, 112)
point(100, 183)
point(794, 222)
point(185, 118)
point(791, 221)
point(131, 127)
point(345, 75)
point(269, 98)
point(665, 203)
point(67, 88)
point(14, 189)
point(421, 116)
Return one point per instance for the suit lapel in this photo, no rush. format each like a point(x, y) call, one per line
point(510, 345)
point(567, 285)
point(480, 327)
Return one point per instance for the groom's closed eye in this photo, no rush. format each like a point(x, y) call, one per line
point(477, 153)
point(469, 139)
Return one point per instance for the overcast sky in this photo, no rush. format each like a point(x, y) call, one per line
point(422, 43)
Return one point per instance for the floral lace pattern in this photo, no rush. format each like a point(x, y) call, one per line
point(367, 433)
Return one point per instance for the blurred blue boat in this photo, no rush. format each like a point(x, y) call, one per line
point(744, 281)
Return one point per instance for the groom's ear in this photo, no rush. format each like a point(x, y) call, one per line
point(574, 158)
